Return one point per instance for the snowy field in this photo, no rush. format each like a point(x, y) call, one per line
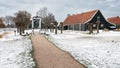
point(15, 50)
point(94, 51)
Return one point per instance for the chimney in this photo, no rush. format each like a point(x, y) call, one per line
point(68, 15)
point(117, 16)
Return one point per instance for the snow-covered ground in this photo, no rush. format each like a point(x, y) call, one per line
point(15, 51)
point(94, 51)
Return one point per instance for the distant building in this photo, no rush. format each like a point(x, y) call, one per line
point(2, 25)
point(83, 20)
point(35, 22)
point(115, 20)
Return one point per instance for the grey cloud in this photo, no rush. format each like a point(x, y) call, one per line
point(61, 7)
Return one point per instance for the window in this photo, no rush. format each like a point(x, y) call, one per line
point(98, 18)
point(94, 25)
point(101, 25)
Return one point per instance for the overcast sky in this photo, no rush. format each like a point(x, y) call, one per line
point(60, 8)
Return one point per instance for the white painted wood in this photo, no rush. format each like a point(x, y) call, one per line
point(32, 24)
point(40, 23)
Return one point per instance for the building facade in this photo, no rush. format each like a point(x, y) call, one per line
point(115, 20)
point(87, 20)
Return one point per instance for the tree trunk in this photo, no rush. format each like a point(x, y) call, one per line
point(90, 28)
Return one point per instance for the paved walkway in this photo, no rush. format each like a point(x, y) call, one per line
point(48, 55)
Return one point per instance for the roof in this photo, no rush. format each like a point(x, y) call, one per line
point(80, 18)
point(115, 20)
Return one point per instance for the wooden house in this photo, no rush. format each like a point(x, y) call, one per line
point(115, 20)
point(87, 21)
point(2, 25)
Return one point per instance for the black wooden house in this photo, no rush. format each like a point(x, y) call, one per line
point(83, 20)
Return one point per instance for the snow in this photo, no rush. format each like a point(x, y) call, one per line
point(15, 51)
point(10, 36)
point(93, 50)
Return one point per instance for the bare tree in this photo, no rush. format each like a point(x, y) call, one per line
point(47, 17)
point(50, 18)
point(22, 19)
point(42, 12)
point(8, 20)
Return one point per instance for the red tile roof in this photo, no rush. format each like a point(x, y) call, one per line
point(115, 20)
point(80, 18)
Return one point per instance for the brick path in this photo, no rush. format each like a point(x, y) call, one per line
point(48, 55)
